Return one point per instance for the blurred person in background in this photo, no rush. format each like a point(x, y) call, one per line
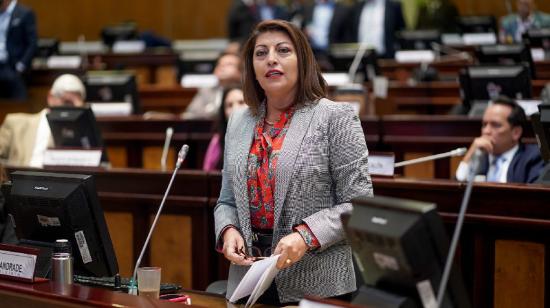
point(233, 100)
point(25, 137)
point(527, 17)
point(18, 41)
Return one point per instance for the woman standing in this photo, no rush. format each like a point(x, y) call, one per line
point(292, 163)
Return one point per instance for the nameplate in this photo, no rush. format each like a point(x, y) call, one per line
point(72, 157)
point(111, 109)
point(479, 38)
point(381, 164)
point(336, 79)
point(55, 62)
point(199, 81)
point(414, 56)
point(129, 47)
point(537, 54)
point(17, 263)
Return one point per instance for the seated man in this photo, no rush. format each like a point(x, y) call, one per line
point(527, 17)
point(207, 101)
point(506, 159)
point(25, 137)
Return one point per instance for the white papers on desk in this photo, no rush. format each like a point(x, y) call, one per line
point(256, 281)
point(470, 39)
point(57, 62)
point(414, 56)
point(134, 46)
point(337, 79)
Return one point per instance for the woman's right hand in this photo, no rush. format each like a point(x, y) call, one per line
point(233, 247)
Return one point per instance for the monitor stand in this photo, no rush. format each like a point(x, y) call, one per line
point(371, 297)
point(44, 258)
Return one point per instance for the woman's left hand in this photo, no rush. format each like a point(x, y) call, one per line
point(291, 249)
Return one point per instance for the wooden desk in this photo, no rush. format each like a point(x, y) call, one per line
point(47, 294)
point(171, 99)
point(449, 68)
point(503, 248)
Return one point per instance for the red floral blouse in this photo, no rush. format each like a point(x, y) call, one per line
point(262, 163)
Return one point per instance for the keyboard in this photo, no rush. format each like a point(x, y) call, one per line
point(109, 283)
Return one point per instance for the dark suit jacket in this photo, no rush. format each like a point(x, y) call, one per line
point(393, 22)
point(525, 167)
point(21, 39)
point(242, 19)
point(337, 29)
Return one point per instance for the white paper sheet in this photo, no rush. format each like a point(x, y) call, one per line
point(256, 281)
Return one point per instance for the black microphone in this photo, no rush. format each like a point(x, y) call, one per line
point(181, 157)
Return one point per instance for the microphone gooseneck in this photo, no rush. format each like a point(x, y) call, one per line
point(455, 152)
point(166, 147)
point(475, 163)
point(181, 157)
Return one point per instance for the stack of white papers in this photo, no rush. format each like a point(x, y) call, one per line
point(256, 281)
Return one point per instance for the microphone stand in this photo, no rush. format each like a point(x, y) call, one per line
point(475, 162)
point(181, 157)
point(455, 152)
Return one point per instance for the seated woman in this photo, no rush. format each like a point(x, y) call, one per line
point(232, 99)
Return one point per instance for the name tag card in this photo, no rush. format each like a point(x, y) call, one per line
point(537, 54)
point(129, 47)
point(414, 56)
point(72, 157)
point(111, 109)
point(381, 164)
point(336, 79)
point(479, 38)
point(199, 81)
point(17, 263)
point(64, 62)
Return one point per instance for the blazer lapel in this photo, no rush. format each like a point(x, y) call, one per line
point(287, 157)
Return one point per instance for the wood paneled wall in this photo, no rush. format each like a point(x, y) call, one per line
point(175, 19)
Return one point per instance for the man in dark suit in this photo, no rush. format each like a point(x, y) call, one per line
point(506, 159)
point(324, 22)
point(17, 47)
point(245, 14)
point(376, 22)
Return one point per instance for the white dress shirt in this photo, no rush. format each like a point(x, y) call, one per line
point(371, 24)
point(463, 169)
point(319, 27)
point(43, 135)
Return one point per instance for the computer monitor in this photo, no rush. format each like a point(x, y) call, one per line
point(46, 47)
point(508, 54)
point(477, 24)
point(112, 93)
point(111, 34)
point(537, 38)
point(75, 127)
point(401, 246)
point(197, 62)
point(50, 206)
point(541, 127)
point(418, 39)
point(479, 84)
point(341, 57)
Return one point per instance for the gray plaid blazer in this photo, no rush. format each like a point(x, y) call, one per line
point(321, 167)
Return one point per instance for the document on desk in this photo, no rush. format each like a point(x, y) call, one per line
point(256, 281)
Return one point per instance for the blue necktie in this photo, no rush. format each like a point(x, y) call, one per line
point(494, 174)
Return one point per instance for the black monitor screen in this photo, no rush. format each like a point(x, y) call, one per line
point(46, 47)
point(418, 39)
point(477, 24)
point(538, 38)
point(400, 243)
point(197, 62)
point(508, 54)
point(112, 87)
point(49, 206)
point(342, 55)
point(74, 127)
point(111, 34)
point(484, 83)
